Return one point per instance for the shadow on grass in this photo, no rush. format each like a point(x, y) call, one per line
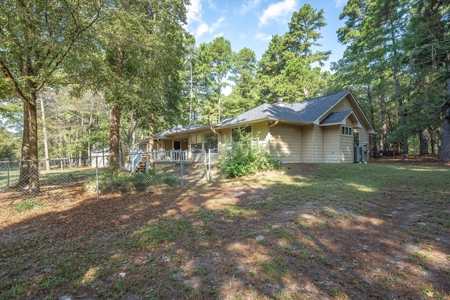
point(319, 231)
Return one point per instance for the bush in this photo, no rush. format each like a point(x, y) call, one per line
point(246, 157)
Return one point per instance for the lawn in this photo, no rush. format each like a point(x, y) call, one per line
point(317, 231)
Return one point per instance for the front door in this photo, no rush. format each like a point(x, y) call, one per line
point(176, 145)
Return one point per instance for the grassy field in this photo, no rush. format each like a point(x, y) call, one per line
point(375, 231)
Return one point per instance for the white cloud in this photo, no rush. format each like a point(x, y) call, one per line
point(194, 18)
point(278, 11)
point(205, 28)
point(340, 3)
point(194, 11)
point(250, 5)
point(263, 37)
point(218, 35)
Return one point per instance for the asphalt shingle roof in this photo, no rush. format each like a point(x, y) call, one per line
point(336, 117)
point(302, 112)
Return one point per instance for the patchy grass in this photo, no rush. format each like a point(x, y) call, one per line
point(330, 231)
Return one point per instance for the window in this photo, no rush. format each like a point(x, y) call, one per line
point(196, 142)
point(356, 139)
point(345, 130)
point(211, 141)
point(237, 133)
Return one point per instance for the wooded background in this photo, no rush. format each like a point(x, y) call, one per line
point(78, 75)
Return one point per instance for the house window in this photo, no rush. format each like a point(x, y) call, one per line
point(211, 141)
point(346, 130)
point(239, 132)
point(196, 142)
point(356, 139)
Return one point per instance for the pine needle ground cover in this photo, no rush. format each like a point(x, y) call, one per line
point(375, 231)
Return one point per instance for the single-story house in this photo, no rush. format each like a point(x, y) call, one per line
point(320, 130)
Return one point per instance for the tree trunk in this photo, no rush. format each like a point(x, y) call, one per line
point(444, 153)
point(29, 176)
point(219, 81)
point(383, 122)
point(151, 135)
point(114, 145)
point(44, 130)
point(399, 95)
point(424, 137)
point(372, 119)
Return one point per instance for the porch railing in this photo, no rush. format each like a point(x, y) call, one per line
point(169, 155)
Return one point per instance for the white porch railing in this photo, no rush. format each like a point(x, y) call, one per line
point(169, 155)
point(136, 159)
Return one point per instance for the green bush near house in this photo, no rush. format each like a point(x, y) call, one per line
point(246, 157)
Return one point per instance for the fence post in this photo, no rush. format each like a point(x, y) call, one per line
point(9, 166)
point(182, 171)
point(146, 164)
point(209, 164)
point(170, 155)
point(96, 175)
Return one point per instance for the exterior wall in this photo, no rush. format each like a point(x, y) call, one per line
point(331, 136)
point(261, 130)
point(344, 104)
point(347, 149)
point(307, 144)
point(364, 136)
point(318, 143)
point(225, 137)
point(285, 141)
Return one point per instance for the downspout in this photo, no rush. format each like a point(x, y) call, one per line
point(268, 144)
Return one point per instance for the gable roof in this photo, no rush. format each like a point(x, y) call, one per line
point(336, 117)
point(300, 112)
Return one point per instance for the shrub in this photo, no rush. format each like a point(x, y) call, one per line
point(246, 157)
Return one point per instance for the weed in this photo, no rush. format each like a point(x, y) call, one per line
point(338, 293)
point(270, 269)
point(27, 204)
point(164, 231)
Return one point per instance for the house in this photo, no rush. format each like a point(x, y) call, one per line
point(320, 130)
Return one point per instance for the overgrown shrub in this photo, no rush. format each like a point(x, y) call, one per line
point(246, 157)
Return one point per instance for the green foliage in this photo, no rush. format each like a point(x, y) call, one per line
point(9, 147)
point(27, 204)
point(246, 157)
point(162, 232)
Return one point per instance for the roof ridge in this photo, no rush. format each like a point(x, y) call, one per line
point(307, 100)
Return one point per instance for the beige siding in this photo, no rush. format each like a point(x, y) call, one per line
point(331, 144)
point(318, 144)
point(307, 143)
point(346, 149)
point(260, 130)
point(225, 137)
point(344, 104)
point(364, 136)
point(285, 141)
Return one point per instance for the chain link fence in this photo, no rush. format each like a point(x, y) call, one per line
point(100, 176)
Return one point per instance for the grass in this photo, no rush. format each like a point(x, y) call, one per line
point(27, 204)
point(175, 244)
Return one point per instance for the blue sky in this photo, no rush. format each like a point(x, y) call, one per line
point(251, 23)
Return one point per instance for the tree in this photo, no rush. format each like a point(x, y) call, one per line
point(244, 95)
point(221, 62)
point(37, 37)
point(287, 68)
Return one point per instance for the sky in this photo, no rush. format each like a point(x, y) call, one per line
point(251, 23)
